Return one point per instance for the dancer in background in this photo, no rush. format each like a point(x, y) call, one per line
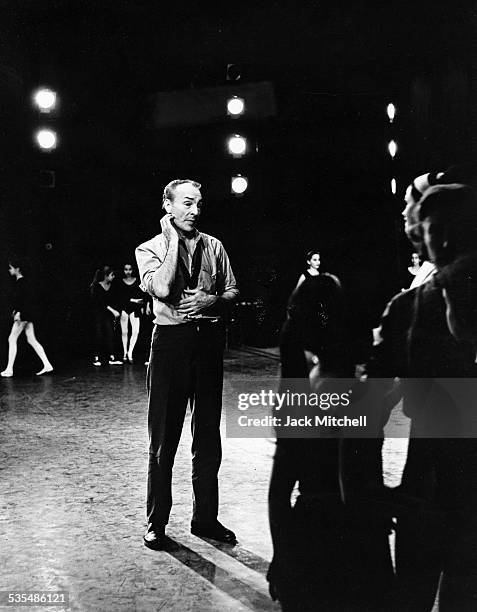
point(415, 266)
point(412, 227)
point(313, 260)
point(105, 315)
point(131, 299)
point(23, 321)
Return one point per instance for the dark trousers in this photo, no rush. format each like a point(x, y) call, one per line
point(103, 334)
point(186, 366)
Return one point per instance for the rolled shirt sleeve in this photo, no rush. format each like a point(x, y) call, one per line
point(157, 274)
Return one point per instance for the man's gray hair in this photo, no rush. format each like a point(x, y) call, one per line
point(170, 188)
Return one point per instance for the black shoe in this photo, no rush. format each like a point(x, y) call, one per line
point(216, 531)
point(154, 537)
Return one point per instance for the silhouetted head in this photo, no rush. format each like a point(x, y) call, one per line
point(448, 216)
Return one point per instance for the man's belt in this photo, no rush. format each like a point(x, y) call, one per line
point(203, 318)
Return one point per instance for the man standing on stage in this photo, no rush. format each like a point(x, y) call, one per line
point(190, 279)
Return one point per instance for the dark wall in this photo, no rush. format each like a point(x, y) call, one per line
point(319, 172)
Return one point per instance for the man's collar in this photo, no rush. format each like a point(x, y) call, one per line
point(195, 235)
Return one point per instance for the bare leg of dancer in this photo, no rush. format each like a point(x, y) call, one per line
point(17, 328)
point(37, 347)
point(135, 324)
point(124, 333)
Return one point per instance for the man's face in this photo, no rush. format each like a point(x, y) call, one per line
point(185, 207)
point(435, 239)
point(128, 271)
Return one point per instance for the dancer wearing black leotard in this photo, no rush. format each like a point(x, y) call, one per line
point(23, 320)
point(313, 261)
point(105, 313)
point(131, 300)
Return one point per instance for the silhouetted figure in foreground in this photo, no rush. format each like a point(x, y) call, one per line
point(325, 556)
point(428, 334)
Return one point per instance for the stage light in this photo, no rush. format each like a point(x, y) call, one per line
point(393, 186)
point(235, 106)
point(237, 145)
point(239, 184)
point(45, 100)
point(391, 111)
point(392, 148)
point(46, 139)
